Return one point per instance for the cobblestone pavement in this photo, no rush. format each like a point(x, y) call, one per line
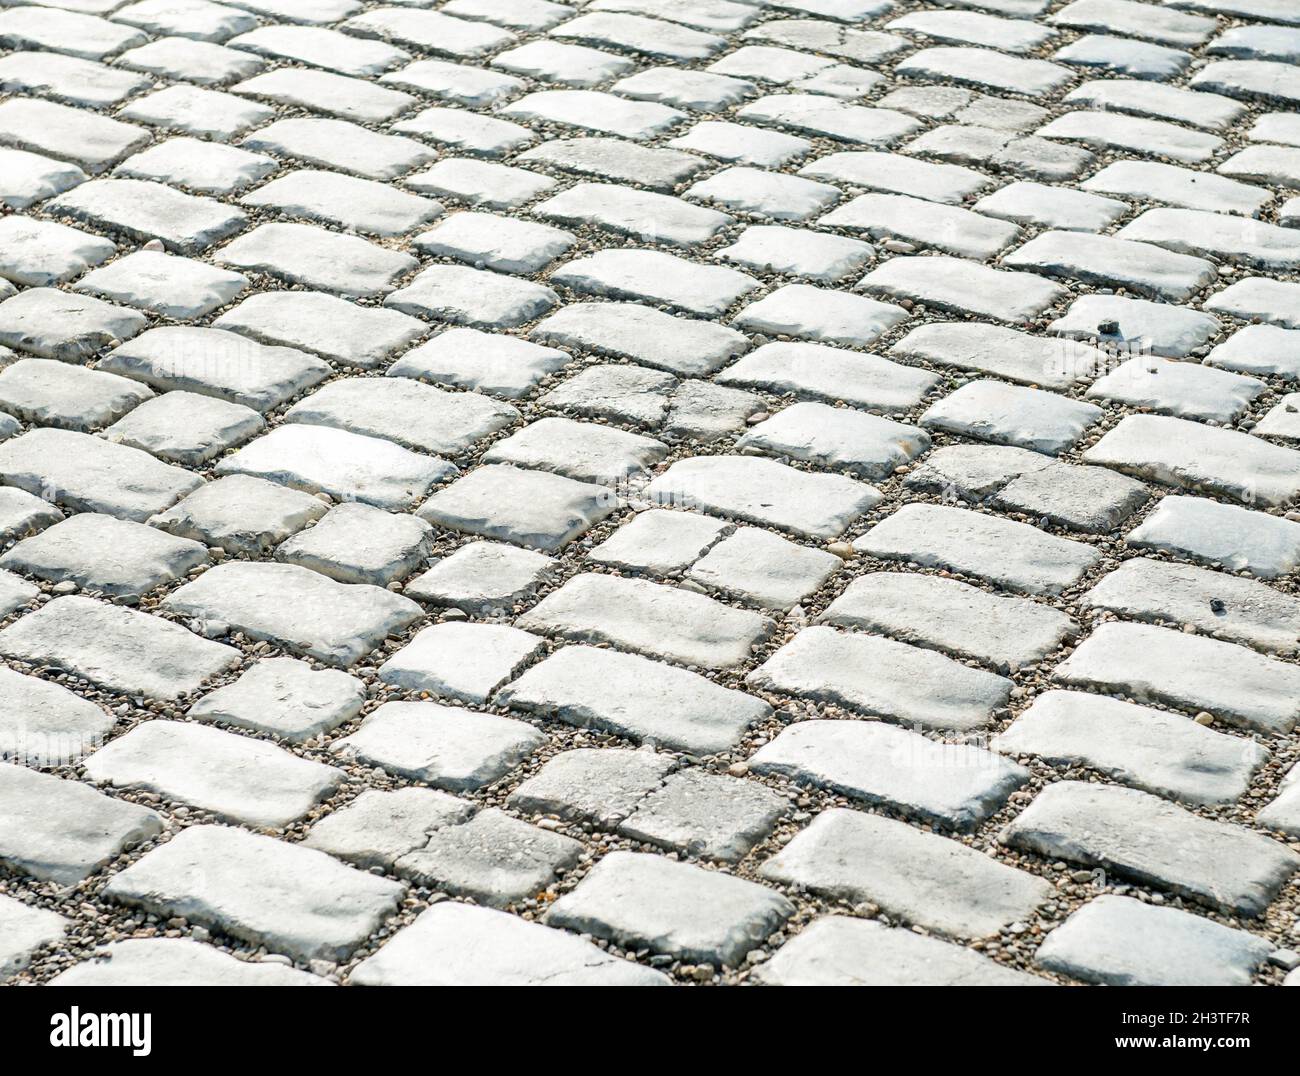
point(652, 491)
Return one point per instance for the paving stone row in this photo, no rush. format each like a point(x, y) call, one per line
point(635, 492)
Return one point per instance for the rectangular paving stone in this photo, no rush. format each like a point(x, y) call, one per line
point(1195, 231)
point(356, 204)
point(1090, 499)
point(628, 211)
point(857, 378)
point(296, 608)
point(378, 828)
point(986, 69)
point(31, 177)
point(347, 466)
point(820, 116)
point(1183, 187)
point(586, 451)
point(529, 508)
point(88, 474)
point(914, 220)
point(291, 899)
point(956, 785)
point(1105, 260)
point(1006, 353)
point(46, 392)
point(45, 724)
point(765, 492)
point(1132, 134)
point(634, 697)
point(682, 346)
point(215, 362)
point(118, 648)
point(657, 278)
point(39, 253)
point(593, 110)
point(1215, 603)
point(61, 830)
point(638, 900)
point(963, 287)
point(1011, 414)
point(467, 662)
point(920, 877)
point(169, 962)
point(339, 144)
point(234, 777)
point(1121, 941)
point(664, 621)
point(479, 297)
point(881, 677)
point(71, 134)
point(284, 697)
point(952, 617)
point(146, 211)
point(179, 288)
point(1150, 749)
point(1177, 452)
point(27, 929)
point(1008, 554)
point(321, 91)
point(1141, 837)
point(841, 951)
point(453, 944)
point(1151, 664)
point(443, 746)
point(1241, 539)
point(60, 325)
point(601, 785)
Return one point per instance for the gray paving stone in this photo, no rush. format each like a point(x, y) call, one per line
point(649, 37)
point(1273, 302)
point(985, 69)
point(318, 47)
point(1155, 182)
point(1177, 452)
point(91, 141)
point(466, 662)
point(469, 132)
point(1105, 260)
point(963, 287)
point(568, 65)
point(492, 858)
point(501, 243)
point(683, 88)
point(88, 474)
point(145, 211)
point(293, 607)
point(200, 112)
point(54, 324)
point(284, 697)
point(38, 253)
point(195, 19)
point(216, 362)
point(350, 334)
point(355, 543)
point(1195, 231)
point(973, 472)
point(799, 252)
point(634, 697)
point(660, 541)
point(600, 785)
point(1152, 664)
point(350, 98)
point(342, 145)
point(1090, 499)
point(27, 929)
point(457, 83)
point(481, 577)
point(64, 831)
point(15, 593)
point(418, 416)
point(454, 944)
point(446, 747)
point(1150, 749)
point(1010, 414)
point(528, 508)
point(1051, 207)
point(484, 362)
point(165, 284)
point(479, 297)
point(203, 62)
point(241, 514)
point(1138, 836)
point(1006, 353)
point(100, 553)
point(740, 142)
point(1250, 80)
point(485, 183)
point(583, 450)
point(593, 110)
point(626, 330)
point(956, 785)
point(361, 205)
point(1184, 389)
point(1215, 603)
point(177, 962)
point(1138, 59)
point(1284, 812)
point(45, 724)
point(1136, 325)
point(1282, 422)
point(678, 909)
point(428, 30)
point(348, 466)
point(378, 828)
point(1120, 941)
point(929, 880)
point(67, 78)
point(46, 392)
point(627, 211)
point(293, 900)
point(622, 392)
point(65, 31)
point(839, 951)
point(1008, 554)
point(914, 220)
point(22, 513)
point(655, 277)
point(1142, 97)
point(30, 177)
point(825, 117)
point(650, 618)
point(234, 777)
point(952, 617)
point(763, 569)
point(303, 254)
point(185, 427)
point(701, 814)
point(1221, 534)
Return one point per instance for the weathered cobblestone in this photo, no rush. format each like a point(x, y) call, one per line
point(686, 472)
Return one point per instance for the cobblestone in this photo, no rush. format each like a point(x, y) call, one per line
point(685, 472)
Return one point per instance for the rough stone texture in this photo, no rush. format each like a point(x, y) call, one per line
point(676, 375)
